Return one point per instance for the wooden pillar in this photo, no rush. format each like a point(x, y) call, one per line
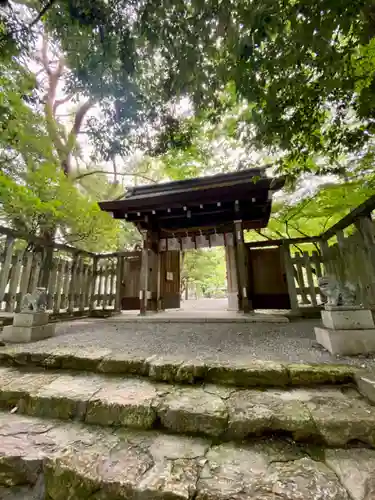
point(289, 271)
point(158, 283)
point(232, 283)
point(143, 292)
point(244, 303)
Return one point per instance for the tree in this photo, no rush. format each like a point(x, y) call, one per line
point(204, 270)
point(35, 194)
point(303, 74)
point(315, 213)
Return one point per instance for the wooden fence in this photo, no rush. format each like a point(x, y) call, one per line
point(80, 283)
point(77, 282)
point(348, 250)
point(307, 267)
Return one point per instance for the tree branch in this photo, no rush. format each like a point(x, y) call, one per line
point(60, 102)
point(263, 235)
point(124, 174)
point(41, 13)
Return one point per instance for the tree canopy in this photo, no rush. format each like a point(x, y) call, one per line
point(192, 87)
point(302, 73)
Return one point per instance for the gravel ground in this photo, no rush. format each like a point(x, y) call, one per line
point(291, 342)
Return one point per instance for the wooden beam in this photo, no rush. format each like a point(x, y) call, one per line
point(277, 243)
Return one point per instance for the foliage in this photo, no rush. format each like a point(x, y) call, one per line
point(204, 270)
point(314, 214)
point(36, 197)
point(47, 199)
point(299, 76)
point(303, 73)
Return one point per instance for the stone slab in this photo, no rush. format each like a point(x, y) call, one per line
point(346, 342)
point(348, 319)
point(210, 410)
point(329, 307)
point(356, 471)
point(31, 319)
point(24, 334)
point(366, 386)
point(341, 418)
point(254, 373)
point(87, 463)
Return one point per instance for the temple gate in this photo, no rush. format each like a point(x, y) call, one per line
point(198, 213)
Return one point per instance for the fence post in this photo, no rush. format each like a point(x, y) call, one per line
point(4, 275)
point(289, 271)
point(93, 283)
point(119, 275)
point(324, 250)
point(365, 227)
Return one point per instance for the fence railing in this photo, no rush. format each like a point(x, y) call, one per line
point(308, 267)
point(77, 282)
point(348, 250)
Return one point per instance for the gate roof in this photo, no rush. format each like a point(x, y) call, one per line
point(201, 205)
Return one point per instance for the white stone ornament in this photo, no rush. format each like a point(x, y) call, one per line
point(337, 294)
point(34, 302)
point(31, 324)
point(347, 329)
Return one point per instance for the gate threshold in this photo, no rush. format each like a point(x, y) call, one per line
point(178, 316)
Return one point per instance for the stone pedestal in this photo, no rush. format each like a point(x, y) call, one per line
point(348, 330)
point(28, 327)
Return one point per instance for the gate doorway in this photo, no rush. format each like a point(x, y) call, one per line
point(267, 278)
point(203, 277)
point(170, 273)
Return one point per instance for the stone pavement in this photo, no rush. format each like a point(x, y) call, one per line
point(65, 461)
point(293, 342)
point(330, 415)
point(96, 422)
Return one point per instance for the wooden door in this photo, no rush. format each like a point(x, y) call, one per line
point(170, 280)
point(130, 283)
point(268, 284)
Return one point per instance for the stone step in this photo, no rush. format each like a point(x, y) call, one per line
point(332, 415)
point(172, 370)
point(66, 461)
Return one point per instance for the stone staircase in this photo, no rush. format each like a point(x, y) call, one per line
point(93, 424)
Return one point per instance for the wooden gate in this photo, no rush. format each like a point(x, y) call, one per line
point(170, 280)
point(130, 281)
point(268, 284)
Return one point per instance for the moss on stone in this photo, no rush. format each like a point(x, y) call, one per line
point(302, 374)
point(255, 374)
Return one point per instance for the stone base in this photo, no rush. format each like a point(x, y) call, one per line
point(347, 319)
point(31, 319)
point(330, 307)
point(366, 386)
point(232, 301)
point(22, 334)
point(346, 342)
